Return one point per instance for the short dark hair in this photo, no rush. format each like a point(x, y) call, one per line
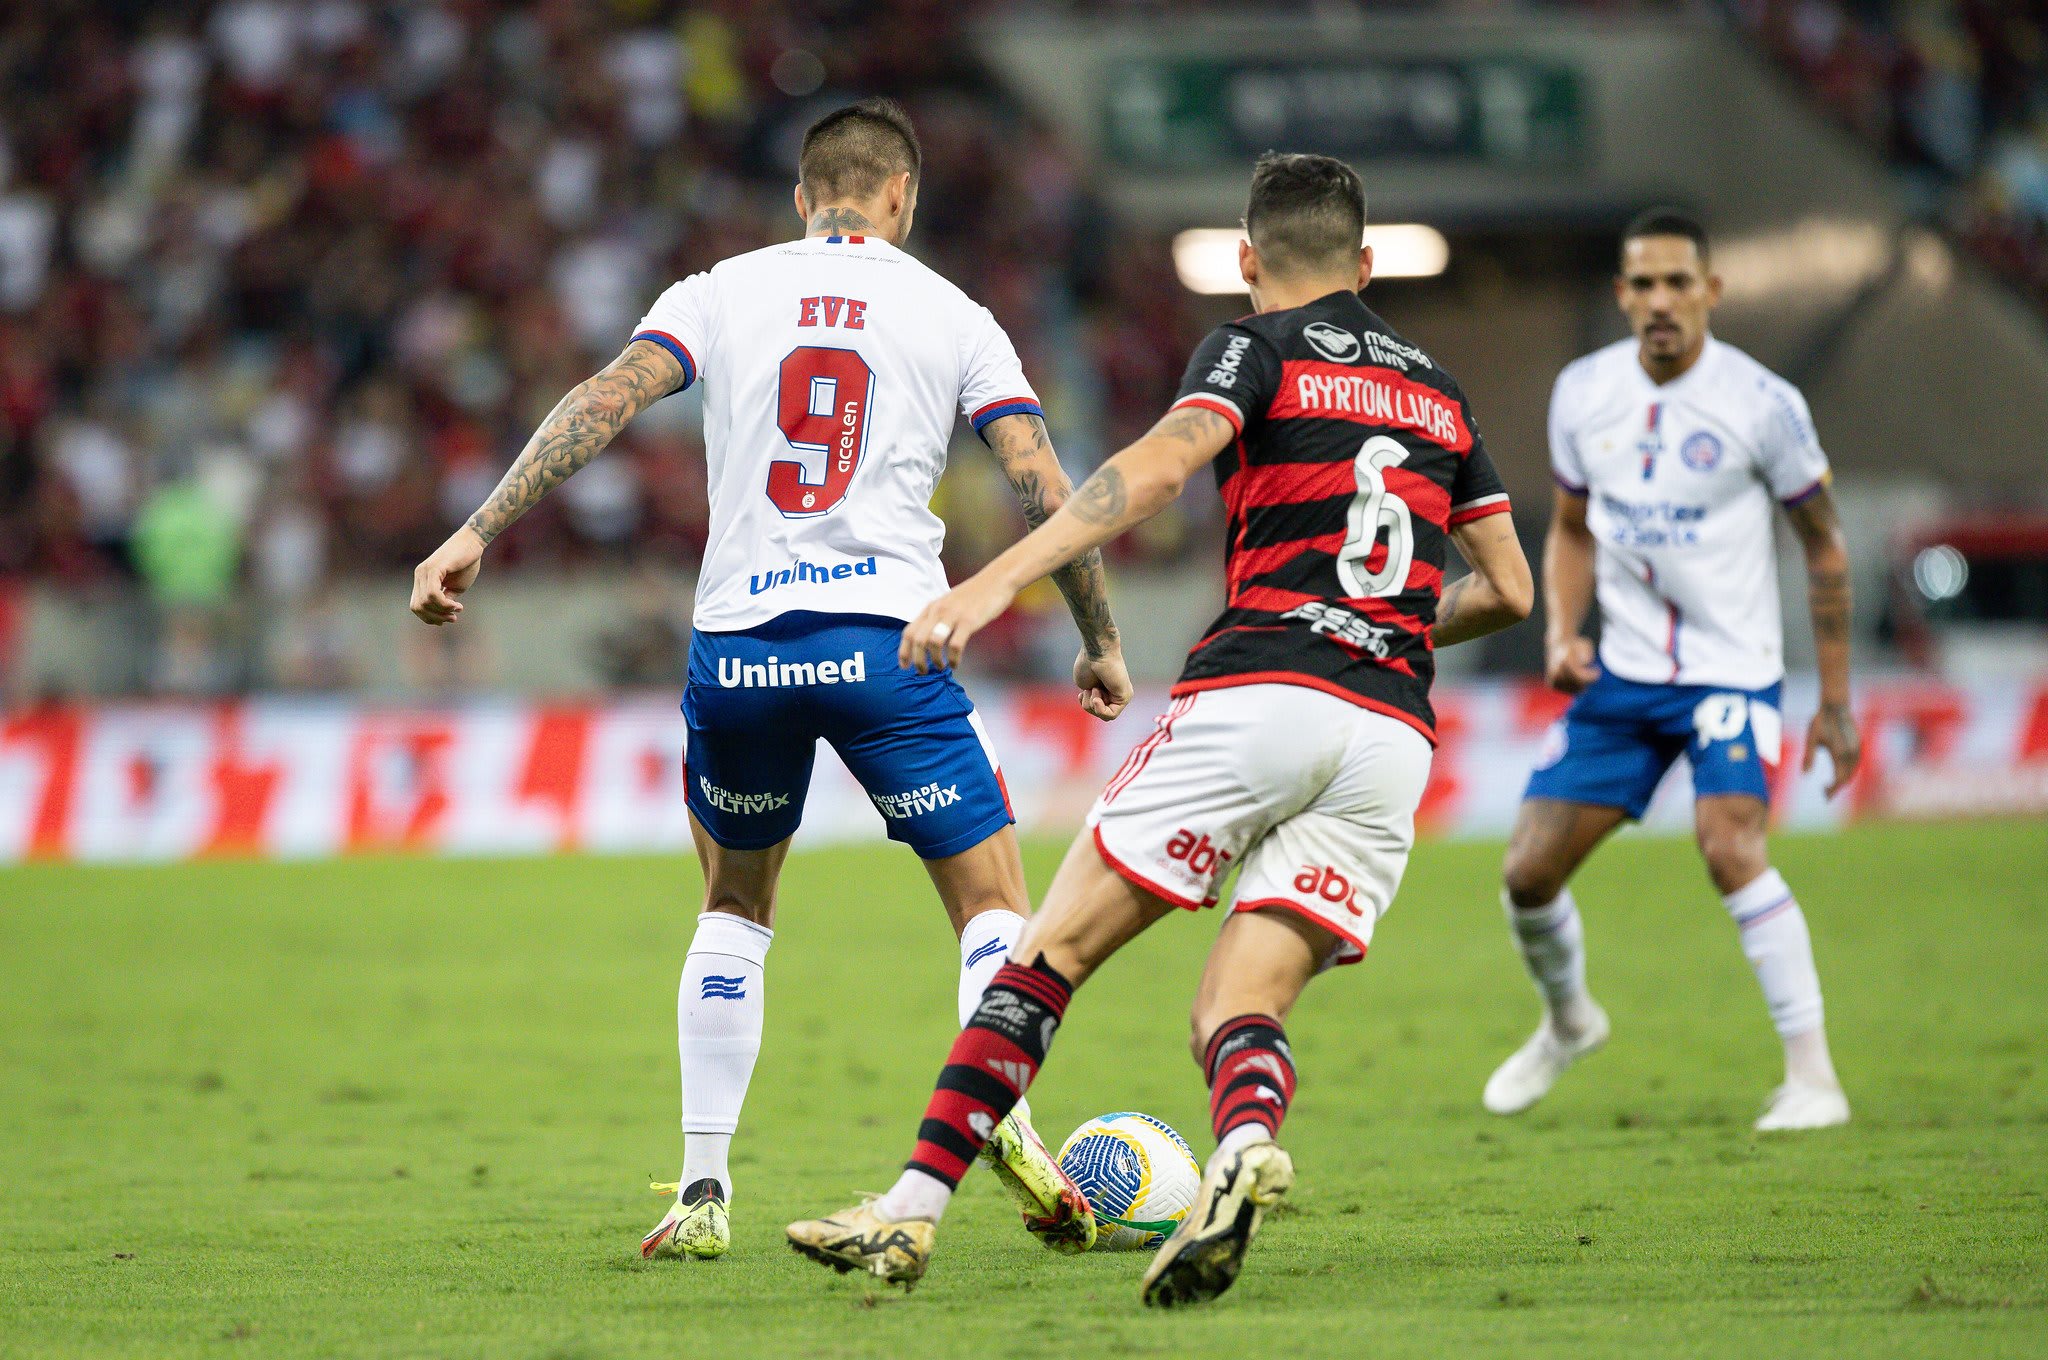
point(1305, 212)
point(1666, 222)
point(850, 151)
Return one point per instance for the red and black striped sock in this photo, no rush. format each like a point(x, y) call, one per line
point(1251, 1074)
point(991, 1065)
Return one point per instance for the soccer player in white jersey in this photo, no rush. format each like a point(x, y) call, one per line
point(833, 368)
point(1672, 451)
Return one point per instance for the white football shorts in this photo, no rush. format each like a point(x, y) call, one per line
point(1313, 798)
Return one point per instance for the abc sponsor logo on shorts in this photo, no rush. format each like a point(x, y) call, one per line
point(1198, 853)
point(1320, 880)
point(776, 673)
point(744, 804)
point(903, 806)
point(801, 572)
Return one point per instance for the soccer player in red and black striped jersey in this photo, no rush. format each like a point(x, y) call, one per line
point(1300, 734)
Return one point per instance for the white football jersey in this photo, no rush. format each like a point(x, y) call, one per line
point(832, 369)
point(1682, 482)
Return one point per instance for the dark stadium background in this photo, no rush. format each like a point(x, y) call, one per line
point(283, 286)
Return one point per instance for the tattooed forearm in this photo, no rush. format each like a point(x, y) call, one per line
point(576, 431)
point(1195, 426)
point(1025, 452)
point(840, 222)
point(1827, 591)
point(1103, 498)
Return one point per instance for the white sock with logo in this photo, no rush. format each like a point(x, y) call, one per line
point(1779, 947)
point(985, 947)
point(1553, 944)
point(719, 1011)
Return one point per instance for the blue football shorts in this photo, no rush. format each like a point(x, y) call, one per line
point(758, 702)
point(1613, 745)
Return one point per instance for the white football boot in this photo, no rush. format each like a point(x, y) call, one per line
point(1206, 1251)
point(1531, 1070)
point(1800, 1105)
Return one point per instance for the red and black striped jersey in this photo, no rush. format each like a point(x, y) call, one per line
point(1355, 456)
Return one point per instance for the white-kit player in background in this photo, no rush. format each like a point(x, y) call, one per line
point(1672, 451)
point(834, 368)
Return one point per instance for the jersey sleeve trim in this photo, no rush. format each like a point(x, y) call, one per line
point(1566, 483)
point(1209, 401)
point(1005, 406)
point(1805, 494)
point(1479, 508)
point(675, 347)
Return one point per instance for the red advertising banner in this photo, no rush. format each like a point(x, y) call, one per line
point(295, 778)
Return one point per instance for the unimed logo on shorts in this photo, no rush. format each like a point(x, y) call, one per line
point(776, 673)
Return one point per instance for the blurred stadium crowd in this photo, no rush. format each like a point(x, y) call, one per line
point(1954, 92)
point(285, 283)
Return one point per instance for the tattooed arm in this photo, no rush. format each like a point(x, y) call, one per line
point(575, 432)
point(1498, 592)
point(1827, 592)
point(1025, 453)
point(1129, 489)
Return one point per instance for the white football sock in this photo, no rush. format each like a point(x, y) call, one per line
point(1244, 1135)
point(1553, 944)
point(1780, 950)
point(719, 1010)
point(916, 1194)
point(984, 948)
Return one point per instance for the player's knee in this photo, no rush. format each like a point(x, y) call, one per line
point(1201, 1025)
point(1735, 855)
point(1532, 880)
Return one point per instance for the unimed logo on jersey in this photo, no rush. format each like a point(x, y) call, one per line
point(800, 571)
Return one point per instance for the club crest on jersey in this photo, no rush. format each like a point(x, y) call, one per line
point(1701, 452)
point(1333, 342)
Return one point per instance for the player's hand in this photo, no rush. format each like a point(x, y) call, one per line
point(937, 637)
point(1833, 729)
point(1569, 667)
point(1104, 683)
point(450, 571)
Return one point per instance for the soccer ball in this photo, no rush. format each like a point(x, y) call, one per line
point(1139, 1175)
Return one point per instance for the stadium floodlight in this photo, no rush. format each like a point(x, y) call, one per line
point(1206, 257)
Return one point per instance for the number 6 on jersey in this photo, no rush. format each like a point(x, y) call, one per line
point(1375, 509)
point(822, 407)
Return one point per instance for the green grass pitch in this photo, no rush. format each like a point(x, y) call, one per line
point(392, 1107)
